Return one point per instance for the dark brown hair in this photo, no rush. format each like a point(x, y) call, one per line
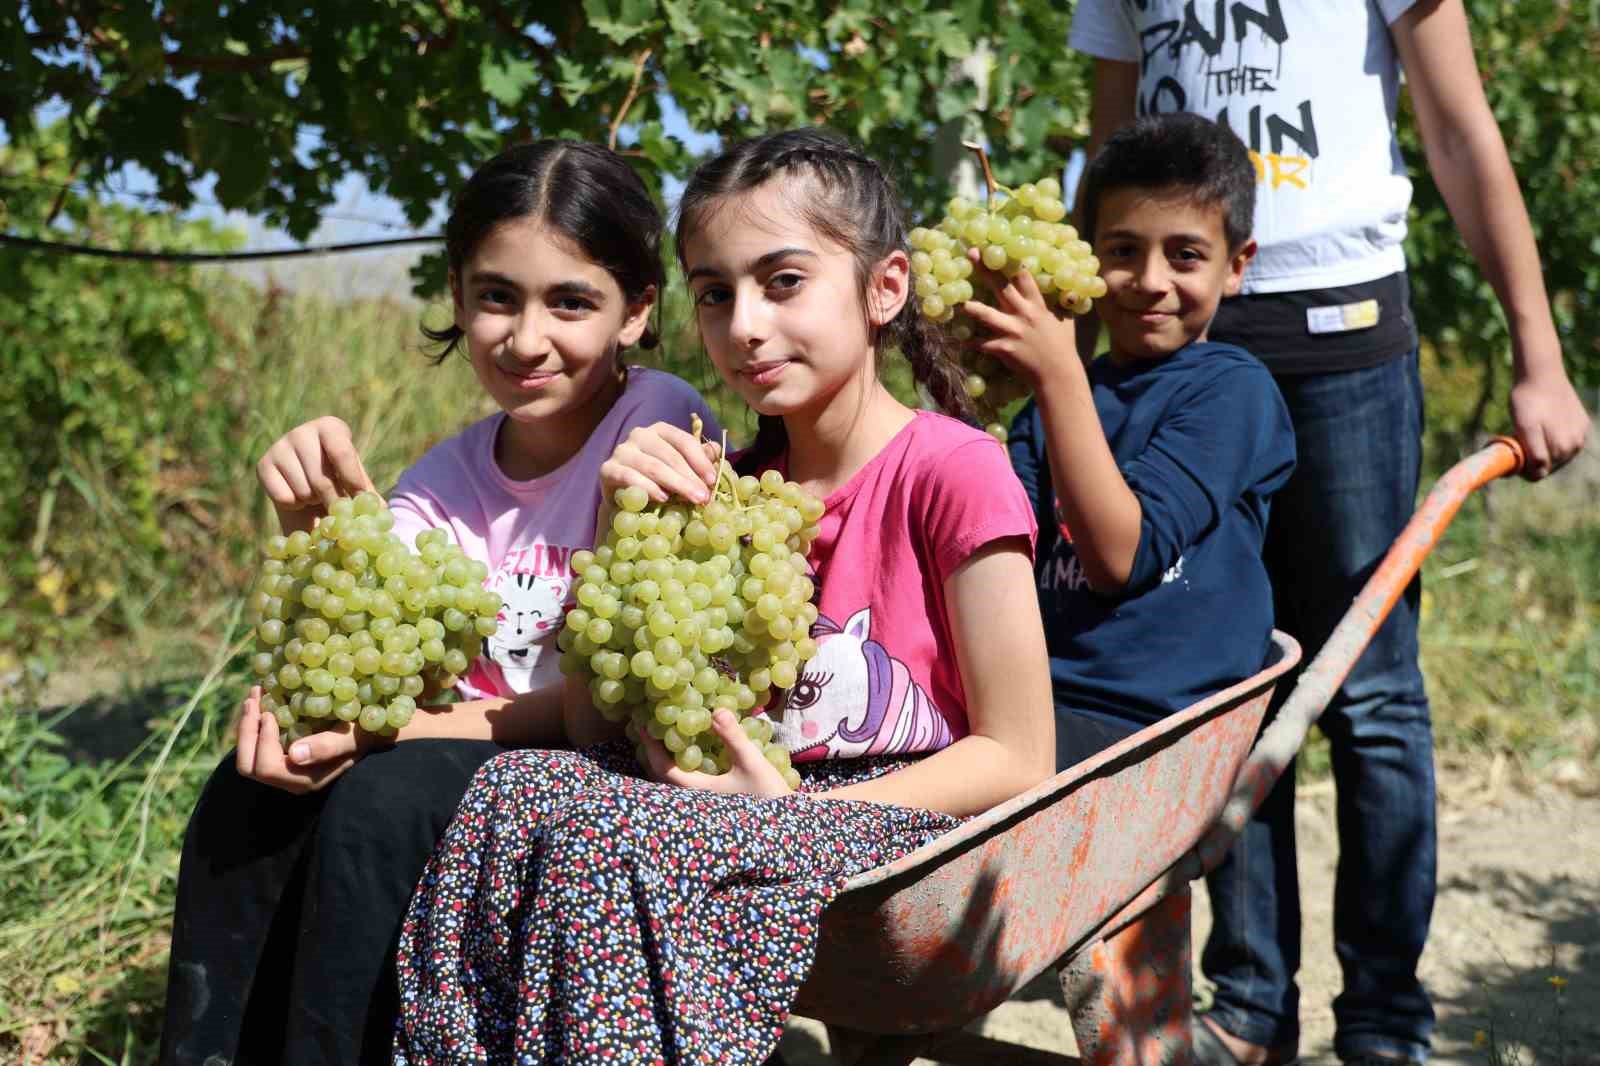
point(856, 207)
point(1201, 160)
point(584, 192)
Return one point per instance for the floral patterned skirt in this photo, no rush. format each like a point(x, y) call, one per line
point(575, 912)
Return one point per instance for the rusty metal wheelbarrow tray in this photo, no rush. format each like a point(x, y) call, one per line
point(1090, 870)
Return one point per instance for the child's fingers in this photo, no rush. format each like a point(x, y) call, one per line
point(244, 757)
point(982, 275)
point(751, 769)
point(324, 747)
point(1026, 286)
point(1013, 295)
point(659, 760)
point(991, 318)
point(657, 480)
point(343, 460)
point(276, 484)
point(269, 751)
point(740, 747)
point(693, 450)
point(315, 470)
point(662, 466)
point(271, 769)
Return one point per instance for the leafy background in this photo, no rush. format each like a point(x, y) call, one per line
point(135, 397)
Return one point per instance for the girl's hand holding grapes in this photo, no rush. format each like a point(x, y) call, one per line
point(311, 763)
point(664, 461)
point(308, 468)
point(751, 774)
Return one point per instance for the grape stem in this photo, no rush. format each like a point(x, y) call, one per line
point(988, 175)
point(724, 468)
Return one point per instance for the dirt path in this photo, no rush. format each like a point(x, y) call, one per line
point(1519, 902)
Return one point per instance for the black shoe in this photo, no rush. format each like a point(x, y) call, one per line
point(1209, 1050)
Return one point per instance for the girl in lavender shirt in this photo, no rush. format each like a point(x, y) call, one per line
point(297, 865)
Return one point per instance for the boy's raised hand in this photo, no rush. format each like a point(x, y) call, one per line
point(750, 775)
point(665, 460)
point(308, 468)
point(312, 762)
point(1023, 331)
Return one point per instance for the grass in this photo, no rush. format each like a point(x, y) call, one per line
point(1510, 629)
point(109, 729)
point(89, 852)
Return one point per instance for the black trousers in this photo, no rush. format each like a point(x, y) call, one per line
point(289, 908)
point(1080, 734)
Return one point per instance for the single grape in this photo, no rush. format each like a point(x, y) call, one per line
point(632, 498)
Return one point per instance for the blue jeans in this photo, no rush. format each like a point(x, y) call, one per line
point(1359, 439)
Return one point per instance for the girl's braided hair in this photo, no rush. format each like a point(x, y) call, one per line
point(850, 202)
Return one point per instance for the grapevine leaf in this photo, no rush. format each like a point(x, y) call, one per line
point(506, 80)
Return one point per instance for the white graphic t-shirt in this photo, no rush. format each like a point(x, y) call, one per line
point(1311, 87)
point(526, 531)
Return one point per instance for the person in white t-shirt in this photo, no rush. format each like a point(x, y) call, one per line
point(1311, 88)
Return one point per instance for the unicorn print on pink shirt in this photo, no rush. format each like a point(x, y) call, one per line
point(854, 698)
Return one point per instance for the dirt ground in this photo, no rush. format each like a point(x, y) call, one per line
point(1518, 904)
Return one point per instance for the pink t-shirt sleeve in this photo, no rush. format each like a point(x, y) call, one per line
point(971, 498)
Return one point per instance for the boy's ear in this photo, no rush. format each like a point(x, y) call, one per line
point(889, 288)
point(637, 317)
point(1236, 263)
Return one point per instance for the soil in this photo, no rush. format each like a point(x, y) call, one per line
point(1518, 905)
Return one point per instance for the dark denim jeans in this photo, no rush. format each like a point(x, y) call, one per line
point(1359, 440)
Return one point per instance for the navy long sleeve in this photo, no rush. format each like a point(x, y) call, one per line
point(1203, 440)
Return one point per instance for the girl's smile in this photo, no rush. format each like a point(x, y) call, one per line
point(766, 372)
point(527, 380)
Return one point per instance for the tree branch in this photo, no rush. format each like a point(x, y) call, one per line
point(627, 101)
point(234, 64)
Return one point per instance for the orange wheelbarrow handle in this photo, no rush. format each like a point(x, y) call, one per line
point(1318, 682)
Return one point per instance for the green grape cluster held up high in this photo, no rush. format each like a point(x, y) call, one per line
point(353, 626)
point(1022, 230)
point(684, 610)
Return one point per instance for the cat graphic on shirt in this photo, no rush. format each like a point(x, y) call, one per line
point(530, 620)
point(854, 698)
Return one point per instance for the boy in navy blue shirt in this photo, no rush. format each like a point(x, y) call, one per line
point(1151, 469)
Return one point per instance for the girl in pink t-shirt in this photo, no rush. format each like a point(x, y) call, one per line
point(578, 910)
point(298, 865)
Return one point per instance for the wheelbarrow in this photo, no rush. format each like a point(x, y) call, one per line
point(1090, 871)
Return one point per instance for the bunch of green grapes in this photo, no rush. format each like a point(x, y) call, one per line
point(684, 610)
point(352, 625)
point(1021, 231)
